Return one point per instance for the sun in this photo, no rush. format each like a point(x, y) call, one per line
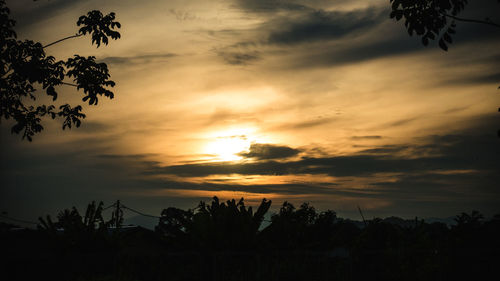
point(227, 145)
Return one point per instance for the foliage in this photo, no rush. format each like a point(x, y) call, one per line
point(26, 68)
point(75, 230)
point(432, 19)
point(224, 241)
point(99, 26)
point(429, 18)
point(215, 226)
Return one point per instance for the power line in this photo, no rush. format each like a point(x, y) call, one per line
point(112, 205)
point(139, 213)
point(17, 220)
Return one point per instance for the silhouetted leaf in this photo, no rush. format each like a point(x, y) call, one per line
point(30, 68)
point(52, 92)
point(443, 45)
point(447, 37)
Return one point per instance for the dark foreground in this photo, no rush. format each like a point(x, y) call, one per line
point(226, 241)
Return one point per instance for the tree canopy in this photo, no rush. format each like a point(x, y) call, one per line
point(225, 241)
point(27, 71)
point(433, 19)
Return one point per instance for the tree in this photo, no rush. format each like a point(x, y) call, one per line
point(229, 225)
point(26, 68)
point(432, 19)
point(73, 230)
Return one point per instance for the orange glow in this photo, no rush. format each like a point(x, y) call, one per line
point(226, 145)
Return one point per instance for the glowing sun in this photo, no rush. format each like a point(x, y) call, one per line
point(226, 145)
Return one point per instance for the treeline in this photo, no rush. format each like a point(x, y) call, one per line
point(227, 241)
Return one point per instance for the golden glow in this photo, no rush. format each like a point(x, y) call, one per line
point(227, 148)
point(226, 145)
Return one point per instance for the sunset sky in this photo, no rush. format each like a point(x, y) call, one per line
point(321, 101)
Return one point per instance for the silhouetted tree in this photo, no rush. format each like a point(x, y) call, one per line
point(229, 225)
point(433, 19)
point(87, 232)
point(174, 223)
point(222, 241)
point(26, 67)
point(304, 228)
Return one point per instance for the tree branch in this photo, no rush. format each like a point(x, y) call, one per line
point(488, 22)
point(6, 73)
point(69, 84)
point(60, 40)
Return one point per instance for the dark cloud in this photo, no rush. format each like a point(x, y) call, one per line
point(313, 123)
point(93, 127)
point(462, 172)
point(183, 15)
point(306, 124)
point(403, 122)
point(288, 189)
point(241, 53)
point(340, 37)
point(41, 10)
point(270, 6)
point(324, 25)
point(341, 166)
point(386, 149)
point(262, 151)
point(456, 109)
point(358, 51)
point(477, 78)
point(140, 59)
point(239, 58)
point(467, 151)
point(366, 137)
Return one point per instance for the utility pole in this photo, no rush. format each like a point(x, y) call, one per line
point(363, 217)
point(117, 215)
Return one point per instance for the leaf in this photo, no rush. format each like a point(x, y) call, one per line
point(52, 92)
point(443, 45)
point(398, 14)
point(425, 41)
point(447, 37)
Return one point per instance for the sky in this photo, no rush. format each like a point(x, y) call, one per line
point(322, 101)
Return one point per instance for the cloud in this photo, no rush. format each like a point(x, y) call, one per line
point(465, 151)
point(270, 6)
point(241, 53)
point(305, 124)
point(139, 59)
point(341, 166)
point(477, 78)
point(183, 15)
point(269, 151)
point(34, 12)
point(357, 51)
point(323, 25)
point(336, 36)
point(238, 57)
point(385, 149)
point(93, 127)
point(456, 109)
point(366, 137)
point(403, 122)
point(462, 171)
